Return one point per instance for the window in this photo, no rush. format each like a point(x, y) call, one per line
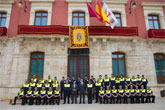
point(118, 64)
point(41, 18)
point(160, 67)
point(118, 17)
point(153, 21)
point(3, 17)
point(37, 64)
point(78, 18)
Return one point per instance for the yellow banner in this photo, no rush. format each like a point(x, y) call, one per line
point(78, 37)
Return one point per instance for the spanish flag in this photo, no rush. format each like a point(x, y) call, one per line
point(101, 13)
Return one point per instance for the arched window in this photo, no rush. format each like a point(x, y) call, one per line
point(160, 67)
point(41, 18)
point(153, 21)
point(118, 63)
point(78, 18)
point(118, 17)
point(37, 64)
point(3, 17)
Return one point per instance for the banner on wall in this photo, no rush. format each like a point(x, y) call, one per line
point(78, 37)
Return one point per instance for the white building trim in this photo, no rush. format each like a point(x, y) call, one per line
point(154, 8)
point(5, 6)
point(78, 5)
point(41, 5)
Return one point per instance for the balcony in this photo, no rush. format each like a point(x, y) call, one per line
point(3, 31)
point(156, 33)
point(64, 30)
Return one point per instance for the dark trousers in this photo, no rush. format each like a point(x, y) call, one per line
point(142, 99)
point(93, 96)
point(58, 100)
point(125, 99)
point(30, 100)
point(89, 97)
point(74, 96)
point(119, 98)
point(50, 100)
point(106, 99)
point(23, 100)
point(37, 99)
point(102, 100)
point(137, 97)
point(113, 99)
point(148, 99)
point(82, 95)
point(97, 95)
point(132, 98)
point(43, 100)
point(62, 92)
point(66, 94)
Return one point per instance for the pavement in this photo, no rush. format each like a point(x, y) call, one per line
point(159, 105)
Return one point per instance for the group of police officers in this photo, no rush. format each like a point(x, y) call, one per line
point(104, 90)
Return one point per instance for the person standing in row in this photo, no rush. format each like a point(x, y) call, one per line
point(67, 89)
point(74, 89)
point(62, 82)
point(82, 89)
point(89, 91)
point(97, 88)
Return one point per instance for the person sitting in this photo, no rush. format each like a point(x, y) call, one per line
point(149, 96)
point(29, 96)
point(113, 95)
point(137, 94)
point(126, 94)
point(120, 94)
point(36, 96)
point(132, 94)
point(43, 95)
point(107, 94)
point(21, 96)
point(143, 94)
point(49, 96)
point(101, 95)
point(57, 96)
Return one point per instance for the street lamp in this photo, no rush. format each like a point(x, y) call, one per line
point(20, 4)
point(132, 5)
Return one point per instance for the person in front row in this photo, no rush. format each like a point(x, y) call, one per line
point(107, 94)
point(143, 94)
point(89, 91)
point(43, 96)
point(137, 94)
point(126, 94)
point(29, 96)
point(50, 96)
point(149, 96)
point(132, 94)
point(101, 95)
point(21, 96)
point(36, 96)
point(120, 94)
point(97, 88)
point(113, 95)
point(74, 89)
point(82, 89)
point(57, 96)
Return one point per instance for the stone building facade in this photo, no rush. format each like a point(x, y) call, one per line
point(139, 50)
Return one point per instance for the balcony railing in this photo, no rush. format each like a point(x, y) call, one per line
point(3, 31)
point(156, 33)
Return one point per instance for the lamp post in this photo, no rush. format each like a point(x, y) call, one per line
point(21, 4)
point(132, 5)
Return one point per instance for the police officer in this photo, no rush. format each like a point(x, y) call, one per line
point(126, 94)
point(117, 83)
point(85, 80)
point(49, 79)
point(101, 95)
point(149, 96)
point(137, 94)
point(20, 95)
point(120, 94)
point(133, 82)
point(36, 96)
point(143, 94)
point(34, 78)
point(57, 95)
point(114, 95)
point(55, 85)
point(43, 96)
point(89, 91)
point(25, 87)
point(122, 81)
point(32, 85)
point(67, 88)
point(132, 94)
point(29, 96)
point(112, 81)
point(93, 82)
point(39, 85)
point(144, 82)
point(47, 85)
point(97, 88)
point(50, 96)
point(42, 81)
point(107, 94)
point(55, 80)
point(128, 81)
point(100, 79)
point(139, 81)
point(106, 82)
point(62, 82)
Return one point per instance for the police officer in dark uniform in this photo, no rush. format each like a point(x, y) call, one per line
point(97, 88)
point(106, 82)
point(122, 81)
point(47, 85)
point(144, 82)
point(150, 96)
point(39, 85)
point(117, 83)
point(55, 85)
point(62, 82)
point(67, 91)
point(101, 95)
point(133, 82)
point(32, 85)
point(120, 94)
point(126, 94)
point(36, 96)
point(21, 95)
point(29, 96)
point(112, 81)
point(57, 96)
point(128, 81)
point(137, 94)
point(85, 80)
point(25, 87)
point(132, 94)
point(143, 94)
point(114, 95)
point(43, 96)
point(50, 96)
point(139, 81)
point(89, 91)
point(107, 94)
